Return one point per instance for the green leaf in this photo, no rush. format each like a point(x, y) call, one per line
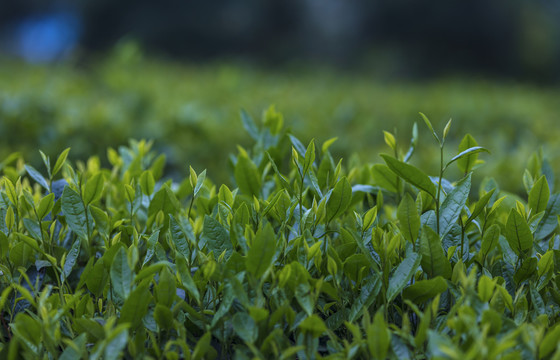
point(136, 306)
point(309, 157)
point(526, 270)
point(390, 140)
point(404, 272)
point(434, 262)
point(378, 337)
point(281, 177)
point(539, 195)
point(217, 237)
point(261, 253)
point(179, 237)
point(424, 290)
point(367, 296)
point(550, 341)
point(446, 129)
point(429, 125)
point(409, 220)
point(466, 163)
point(45, 206)
point(75, 213)
point(166, 288)
point(60, 161)
point(466, 153)
point(411, 174)
point(480, 205)
point(37, 176)
point(97, 278)
point(199, 182)
point(486, 288)
point(518, 233)
point(383, 177)
point(489, 241)
point(147, 182)
point(249, 125)
point(549, 221)
point(186, 279)
point(339, 200)
point(546, 263)
point(94, 188)
point(245, 327)
point(454, 202)
point(247, 175)
point(121, 274)
point(71, 259)
point(163, 200)
point(313, 324)
point(369, 218)
point(101, 219)
point(76, 349)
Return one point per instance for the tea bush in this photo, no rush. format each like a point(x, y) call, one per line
point(305, 257)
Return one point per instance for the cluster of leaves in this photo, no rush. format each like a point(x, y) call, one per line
point(305, 258)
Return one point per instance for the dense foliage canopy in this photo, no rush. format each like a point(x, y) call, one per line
point(305, 256)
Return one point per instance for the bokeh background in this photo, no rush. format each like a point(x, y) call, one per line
point(93, 74)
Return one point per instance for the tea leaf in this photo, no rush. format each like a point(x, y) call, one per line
point(37, 176)
point(249, 125)
point(411, 174)
point(539, 195)
point(121, 274)
point(60, 161)
point(409, 219)
point(453, 204)
point(247, 175)
point(384, 177)
point(434, 262)
point(93, 188)
point(136, 306)
point(518, 233)
point(424, 290)
point(466, 163)
point(261, 253)
point(404, 272)
point(340, 199)
point(467, 153)
point(75, 212)
point(367, 296)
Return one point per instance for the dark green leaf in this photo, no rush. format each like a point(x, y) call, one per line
point(94, 188)
point(404, 272)
point(261, 253)
point(425, 290)
point(121, 274)
point(216, 236)
point(451, 208)
point(409, 220)
point(539, 195)
point(37, 176)
point(434, 262)
point(339, 200)
point(518, 233)
point(75, 213)
point(411, 174)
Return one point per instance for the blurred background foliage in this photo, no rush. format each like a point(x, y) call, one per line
point(93, 74)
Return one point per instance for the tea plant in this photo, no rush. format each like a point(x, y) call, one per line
point(305, 257)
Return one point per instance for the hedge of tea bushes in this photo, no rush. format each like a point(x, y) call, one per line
point(302, 256)
point(186, 109)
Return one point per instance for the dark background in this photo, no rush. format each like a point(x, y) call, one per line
point(405, 38)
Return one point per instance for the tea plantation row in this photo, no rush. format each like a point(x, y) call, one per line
point(186, 109)
point(304, 257)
